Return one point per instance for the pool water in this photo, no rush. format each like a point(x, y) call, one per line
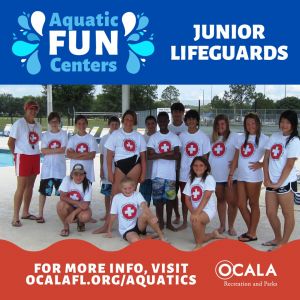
point(6, 159)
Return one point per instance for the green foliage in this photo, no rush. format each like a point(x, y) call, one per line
point(240, 95)
point(170, 94)
point(217, 103)
point(288, 103)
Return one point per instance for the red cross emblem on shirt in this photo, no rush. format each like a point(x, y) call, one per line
point(164, 146)
point(276, 151)
point(33, 138)
point(74, 195)
point(54, 144)
point(129, 145)
point(129, 211)
point(191, 148)
point(247, 151)
point(196, 193)
point(82, 147)
point(218, 149)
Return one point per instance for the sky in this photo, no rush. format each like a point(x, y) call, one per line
point(188, 93)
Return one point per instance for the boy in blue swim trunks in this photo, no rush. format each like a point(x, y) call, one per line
point(106, 186)
point(163, 149)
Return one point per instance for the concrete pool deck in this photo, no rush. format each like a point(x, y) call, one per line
point(33, 236)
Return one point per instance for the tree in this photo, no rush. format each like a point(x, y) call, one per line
point(65, 97)
point(218, 103)
point(288, 103)
point(262, 102)
point(240, 95)
point(170, 94)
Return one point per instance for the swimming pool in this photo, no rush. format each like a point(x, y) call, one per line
point(6, 158)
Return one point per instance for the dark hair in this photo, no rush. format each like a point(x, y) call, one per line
point(81, 117)
point(113, 119)
point(177, 106)
point(215, 135)
point(85, 183)
point(255, 117)
point(292, 117)
point(163, 114)
point(207, 165)
point(131, 113)
point(192, 114)
point(53, 115)
point(150, 118)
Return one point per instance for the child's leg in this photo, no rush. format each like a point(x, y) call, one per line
point(159, 206)
point(184, 207)
point(18, 198)
point(132, 237)
point(63, 210)
point(169, 193)
point(253, 192)
point(170, 207)
point(221, 206)
point(149, 219)
point(176, 204)
point(286, 202)
point(242, 202)
point(42, 200)
point(28, 195)
point(231, 199)
point(85, 216)
point(272, 204)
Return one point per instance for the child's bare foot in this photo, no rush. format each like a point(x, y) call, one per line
point(221, 229)
point(177, 220)
point(217, 235)
point(198, 246)
point(102, 229)
point(171, 227)
point(232, 232)
point(182, 226)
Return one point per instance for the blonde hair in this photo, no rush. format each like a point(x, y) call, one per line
point(127, 180)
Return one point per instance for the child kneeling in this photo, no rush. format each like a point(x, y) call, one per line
point(200, 202)
point(133, 214)
point(75, 198)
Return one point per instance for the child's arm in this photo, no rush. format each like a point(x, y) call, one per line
point(233, 166)
point(71, 217)
point(11, 144)
point(83, 205)
point(101, 167)
point(144, 207)
point(267, 180)
point(109, 160)
point(87, 155)
point(143, 166)
point(47, 151)
point(188, 203)
point(112, 219)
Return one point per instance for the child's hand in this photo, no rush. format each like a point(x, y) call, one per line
point(194, 218)
point(108, 235)
point(70, 219)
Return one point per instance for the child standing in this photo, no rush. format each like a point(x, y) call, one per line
point(54, 142)
point(200, 201)
point(75, 198)
point(146, 186)
point(106, 186)
point(82, 148)
point(163, 149)
point(132, 212)
point(194, 143)
point(282, 151)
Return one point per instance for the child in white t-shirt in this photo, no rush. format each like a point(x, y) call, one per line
point(54, 142)
point(75, 198)
point(200, 200)
point(106, 185)
point(282, 151)
point(250, 148)
point(132, 212)
point(82, 148)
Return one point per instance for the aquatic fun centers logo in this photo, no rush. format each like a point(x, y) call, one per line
point(76, 35)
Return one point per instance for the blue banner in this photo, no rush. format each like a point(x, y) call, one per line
point(143, 42)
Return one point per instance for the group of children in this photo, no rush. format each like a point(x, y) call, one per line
point(179, 156)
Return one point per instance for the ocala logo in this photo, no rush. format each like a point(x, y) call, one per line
point(73, 37)
point(225, 269)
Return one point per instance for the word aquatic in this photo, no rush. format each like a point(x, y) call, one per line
point(233, 33)
point(73, 36)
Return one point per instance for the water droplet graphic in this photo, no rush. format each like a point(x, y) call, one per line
point(23, 60)
point(133, 37)
point(32, 37)
point(23, 22)
point(143, 59)
point(20, 48)
point(133, 64)
point(33, 64)
point(143, 22)
point(129, 21)
point(144, 48)
point(37, 21)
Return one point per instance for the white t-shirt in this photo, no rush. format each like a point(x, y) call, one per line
point(103, 151)
point(279, 153)
point(178, 129)
point(196, 190)
point(248, 154)
point(75, 191)
point(127, 209)
point(54, 165)
point(81, 144)
point(149, 162)
point(163, 168)
point(27, 137)
point(125, 144)
point(192, 145)
point(221, 155)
